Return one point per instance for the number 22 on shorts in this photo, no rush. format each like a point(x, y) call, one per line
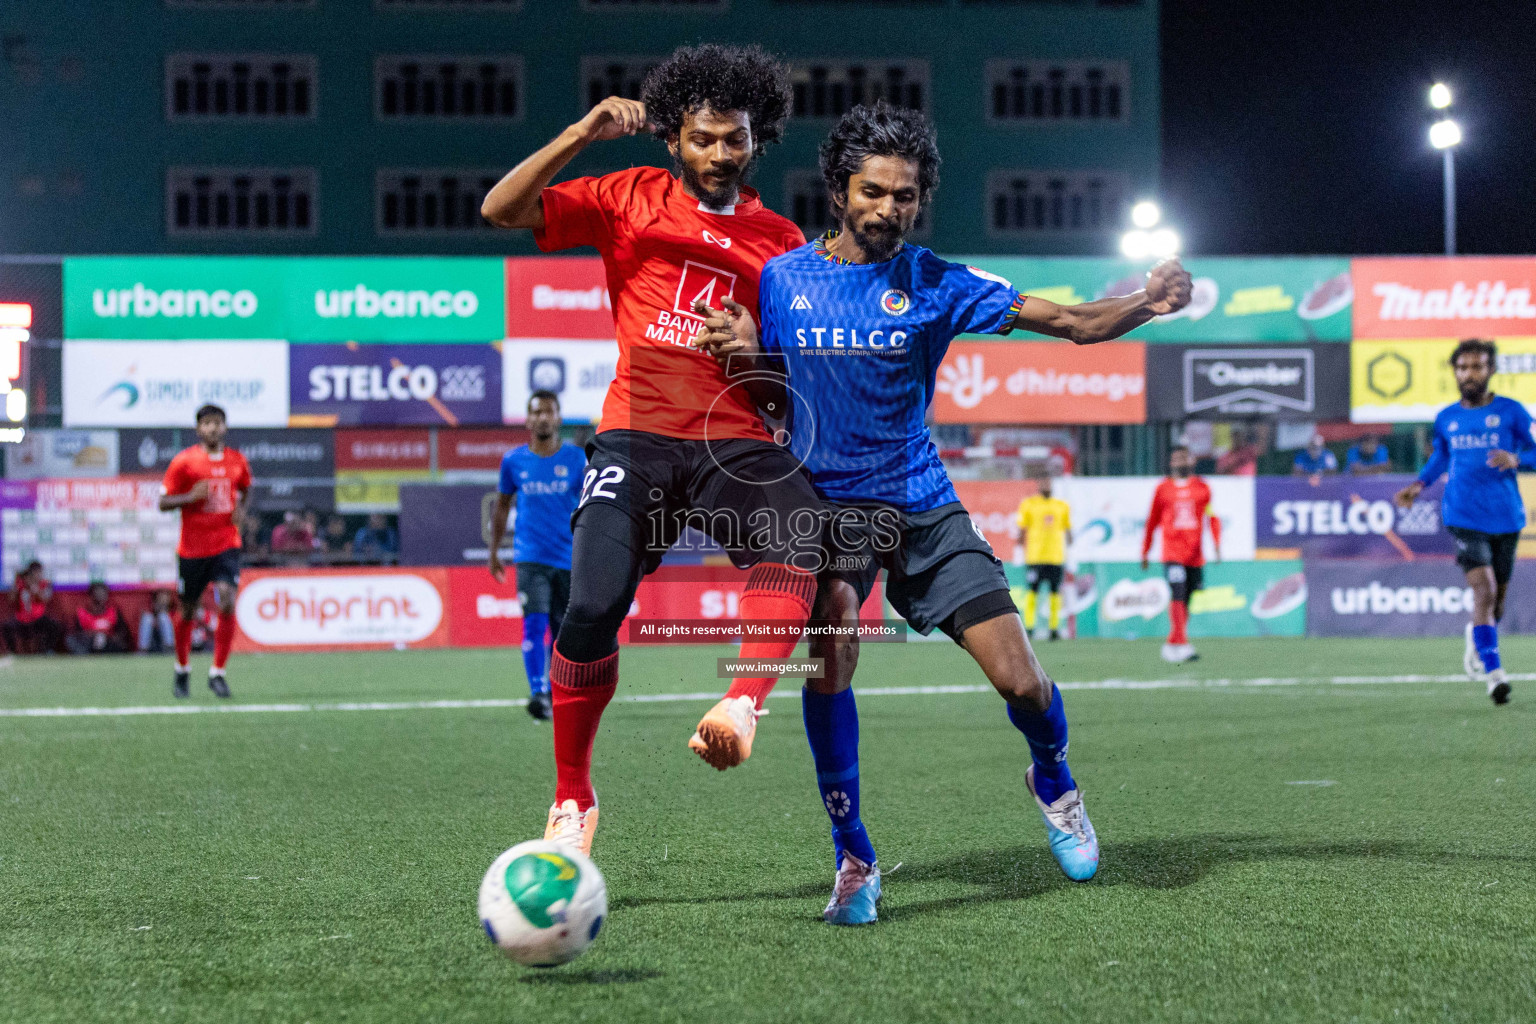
point(599, 484)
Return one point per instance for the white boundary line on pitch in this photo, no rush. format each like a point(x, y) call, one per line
point(668, 698)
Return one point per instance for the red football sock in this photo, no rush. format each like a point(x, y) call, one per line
point(779, 595)
point(183, 641)
point(223, 639)
point(579, 692)
point(1178, 616)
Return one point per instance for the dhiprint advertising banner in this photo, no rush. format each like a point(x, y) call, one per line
point(341, 609)
point(1430, 297)
point(1410, 381)
point(1041, 382)
point(162, 383)
point(386, 385)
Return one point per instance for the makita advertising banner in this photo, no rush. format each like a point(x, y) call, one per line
point(1348, 517)
point(1307, 382)
point(1439, 297)
point(1423, 598)
point(1234, 299)
point(437, 299)
point(1410, 381)
point(366, 385)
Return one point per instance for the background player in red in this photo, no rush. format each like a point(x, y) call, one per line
point(208, 482)
point(678, 444)
point(1180, 506)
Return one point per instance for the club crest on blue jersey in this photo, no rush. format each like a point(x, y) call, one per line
point(895, 301)
point(1492, 420)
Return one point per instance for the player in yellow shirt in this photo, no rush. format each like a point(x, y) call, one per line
point(1043, 532)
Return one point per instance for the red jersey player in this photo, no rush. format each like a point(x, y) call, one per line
point(208, 482)
point(1180, 506)
point(678, 444)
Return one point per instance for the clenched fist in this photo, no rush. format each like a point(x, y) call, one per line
point(1168, 287)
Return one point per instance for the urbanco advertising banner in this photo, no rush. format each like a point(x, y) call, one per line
point(578, 371)
point(1436, 297)
point(1309, 382)
point(1041, 382)
point(366, 385)
point(342, 609)
point(303, 299)
point(1424, 598)
point(1410, 381)
point(1109, 516)
point(1234, 299)
point(1348, 517)
point(558, 297)
point(1119, 600)
point(66, 453)
point(286, 453)
point(162, 383)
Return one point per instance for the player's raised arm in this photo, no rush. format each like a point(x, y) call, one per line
point(515, 201)
point(1087, 323)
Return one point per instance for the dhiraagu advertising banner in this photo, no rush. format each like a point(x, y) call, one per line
point(1235, 299)
point(438, 299)
point(1119, 600)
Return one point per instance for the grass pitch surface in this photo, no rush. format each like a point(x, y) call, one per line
point(1296, 849)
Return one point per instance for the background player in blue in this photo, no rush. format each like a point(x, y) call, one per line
point(1481, 441)
point(859, 321)
point(545, 479)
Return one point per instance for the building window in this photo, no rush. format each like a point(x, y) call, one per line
point(448, 5)
point(438, 88)
point(240, 3)
point(431, 200)
point(831, 88)
point(239, 85)
point(805, 203)
point(1023, 202)
point(602, 77)
point(656, 5)
point(1054, 91)
point(241, 201)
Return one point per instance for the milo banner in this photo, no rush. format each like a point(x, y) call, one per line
point(1424, 598)
point(1348, 517)
point(1119, 600)
point(1411, 381)
point(299, 299)
point(1234, 299)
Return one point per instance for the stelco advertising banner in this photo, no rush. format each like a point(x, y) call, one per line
point(342, 609)
point(162, 383)
point(1119, 600)
point(366, 385)
point(578, 371)
point(1307, 382)
point(1410, 381)
point(1461, 296)
point(1041, 382)
point(1348, 517)
point(300, 299)
point(1425, 598)
point(1234, 299)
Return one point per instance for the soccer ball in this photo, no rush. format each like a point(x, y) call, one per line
point(542, 903)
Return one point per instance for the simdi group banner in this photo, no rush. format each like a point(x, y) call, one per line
point(1438, 297)
point(162, 383)
point(1411, 380)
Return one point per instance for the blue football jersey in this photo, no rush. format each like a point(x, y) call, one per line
point(547, 489)
point(861, 346)
point(1478, 497)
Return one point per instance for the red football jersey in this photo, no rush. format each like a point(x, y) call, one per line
point(1179, 508)
point(207, 526)
point(662, 249)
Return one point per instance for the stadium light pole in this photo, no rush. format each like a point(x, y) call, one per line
point(1445, 135)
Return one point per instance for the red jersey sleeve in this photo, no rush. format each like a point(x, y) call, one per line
point(177, 480)
point(589, 211)
point(1154, 520)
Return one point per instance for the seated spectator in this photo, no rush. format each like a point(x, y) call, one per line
point(1242, 459)
point(293, 536)
point(157, 630)
point(376, 542)
point(1368, 457)
point(1315, 459)
point(32, 630)
point(99, 627)
point(337, 544)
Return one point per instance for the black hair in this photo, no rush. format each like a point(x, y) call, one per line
point(1180, 448)
point(210, 410)
point(879, 130)
point(721, 78)
point(1473, 346)
point(543, 393)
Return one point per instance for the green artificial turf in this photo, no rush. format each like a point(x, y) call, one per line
point(1302, 850)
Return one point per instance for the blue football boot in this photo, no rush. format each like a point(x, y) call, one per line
point(1069, 831)
point(854, 893)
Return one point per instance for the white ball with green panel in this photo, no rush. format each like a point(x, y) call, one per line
point(542, 903)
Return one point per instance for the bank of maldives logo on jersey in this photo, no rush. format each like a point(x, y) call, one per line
point(895, 301)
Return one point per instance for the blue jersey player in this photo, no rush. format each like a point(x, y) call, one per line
point(858, 322)
point(1481, 442)
point(544, 478)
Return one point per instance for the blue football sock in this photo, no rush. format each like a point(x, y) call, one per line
point(1047, 736)
point(832, 726)
point(535, 658)
point(1486, 640)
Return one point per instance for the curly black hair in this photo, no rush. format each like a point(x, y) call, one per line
point(721, 78)
point(879, 130)
point(1474, 346)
